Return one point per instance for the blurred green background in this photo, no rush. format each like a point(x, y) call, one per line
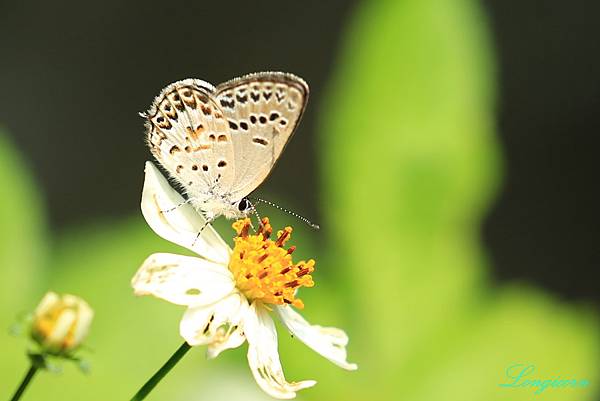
point(408, 165)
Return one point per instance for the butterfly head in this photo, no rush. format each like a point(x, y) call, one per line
point(243, 206)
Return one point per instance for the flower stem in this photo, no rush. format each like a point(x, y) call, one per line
point(30, 373)
point(162, 372)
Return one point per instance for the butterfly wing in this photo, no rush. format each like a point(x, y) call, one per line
point(189, 135)
point(262, 111)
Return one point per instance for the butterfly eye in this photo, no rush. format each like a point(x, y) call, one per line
point(243, 205)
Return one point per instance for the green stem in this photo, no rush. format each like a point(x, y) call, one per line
point(30, 373)
point(162, 372)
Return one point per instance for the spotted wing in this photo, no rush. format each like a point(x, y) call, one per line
point(189, 135)
point(262, 111)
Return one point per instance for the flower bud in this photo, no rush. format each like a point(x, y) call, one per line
point(61, 322)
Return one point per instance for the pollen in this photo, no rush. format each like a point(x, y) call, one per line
point(263, 267)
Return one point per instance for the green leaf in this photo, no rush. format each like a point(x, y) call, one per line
point(23, 249)
point(130, 337)
point(410, 165)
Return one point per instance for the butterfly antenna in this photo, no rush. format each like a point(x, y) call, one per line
point(296, 215)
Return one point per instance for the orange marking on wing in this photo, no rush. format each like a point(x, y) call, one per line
point(191, 133)
point(194, 134)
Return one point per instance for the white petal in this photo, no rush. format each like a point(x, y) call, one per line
point(183, 280)
point(85, 314)
point(50, 300)
point(328, 342)
point(263, 357)
point(214, 323)
point(61, 328)
point(179, 223)
point(235, 338)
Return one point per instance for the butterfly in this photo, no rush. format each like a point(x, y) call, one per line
point(220, 143)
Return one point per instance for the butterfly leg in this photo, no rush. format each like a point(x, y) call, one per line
point(208, 221)
point(177, 206)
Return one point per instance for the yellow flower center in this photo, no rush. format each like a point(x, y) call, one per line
point(263, 268)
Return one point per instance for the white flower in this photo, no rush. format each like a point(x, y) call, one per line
point(60, 323)
point(230, 293)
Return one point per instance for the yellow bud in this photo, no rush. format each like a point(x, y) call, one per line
point(61, 322)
